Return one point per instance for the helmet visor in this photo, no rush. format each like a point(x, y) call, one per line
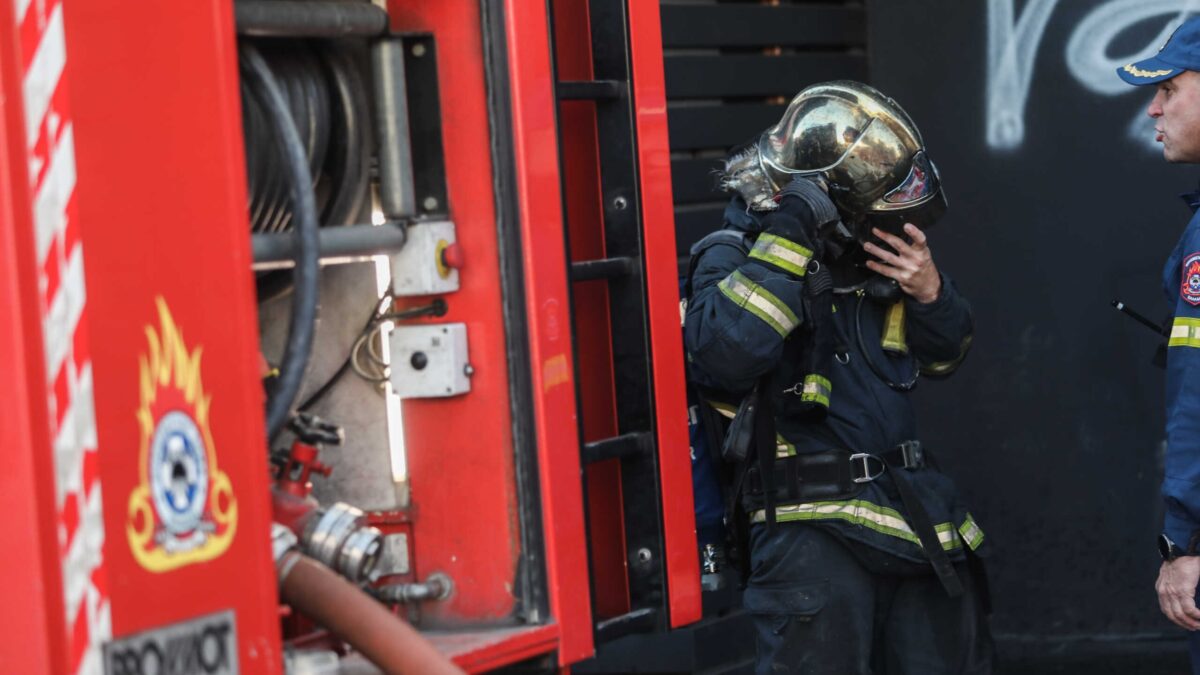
point(922, 181)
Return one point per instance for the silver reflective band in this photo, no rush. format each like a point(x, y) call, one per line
point(878, 518)
point(971, 533)
point(782, 253)
point(1185, 332)
point(759, 302)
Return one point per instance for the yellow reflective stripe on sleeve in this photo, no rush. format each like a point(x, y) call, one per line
point(971, 533)
point(782, 253)
point(893, 329)
point(875, 517)
point(817, 389)
point(1185, 332)
point(946, 367)
point(759, 302)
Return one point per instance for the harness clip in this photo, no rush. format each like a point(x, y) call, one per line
point(866, 458)
point(914, 457)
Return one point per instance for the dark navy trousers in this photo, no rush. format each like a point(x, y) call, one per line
point(819, 610)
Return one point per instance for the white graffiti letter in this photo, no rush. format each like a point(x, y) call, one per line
point(1087, 50)
point(1011, 54)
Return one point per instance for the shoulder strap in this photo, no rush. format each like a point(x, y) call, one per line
point(739, 239)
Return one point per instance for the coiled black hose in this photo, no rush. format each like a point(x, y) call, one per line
point(330, 105)
point(265, 90)
point(350, 177)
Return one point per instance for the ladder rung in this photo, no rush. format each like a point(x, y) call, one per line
point(625, 445)
point(590, 90)
point(604, 268)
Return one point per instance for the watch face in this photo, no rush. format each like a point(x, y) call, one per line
point(1166, 548)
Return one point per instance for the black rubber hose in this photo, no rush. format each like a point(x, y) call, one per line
point(350, 173)
point(907, 385)
point(307, 270)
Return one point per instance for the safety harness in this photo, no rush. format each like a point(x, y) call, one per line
point(763, 483)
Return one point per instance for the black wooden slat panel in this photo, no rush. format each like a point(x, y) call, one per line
point(719, 126)
point(695, 180)
point(692, 223)
point(724, 75)
point(757, 25)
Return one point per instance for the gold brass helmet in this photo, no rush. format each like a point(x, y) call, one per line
point(865, 147)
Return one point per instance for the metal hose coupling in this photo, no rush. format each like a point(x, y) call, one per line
point(339, 537)
point(283, 542)
point(438, 586)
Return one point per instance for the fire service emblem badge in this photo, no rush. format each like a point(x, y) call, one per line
point(183, 509)
point(1190, 287)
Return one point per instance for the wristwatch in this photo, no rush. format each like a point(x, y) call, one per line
point(1168, 549)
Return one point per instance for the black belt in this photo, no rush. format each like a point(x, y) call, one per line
point(837, 474)
point(832, 473)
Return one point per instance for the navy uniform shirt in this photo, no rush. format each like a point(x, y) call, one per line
point(1181, 485)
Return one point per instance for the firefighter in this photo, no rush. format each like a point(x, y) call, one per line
point(1175, 70)
point(810, 316)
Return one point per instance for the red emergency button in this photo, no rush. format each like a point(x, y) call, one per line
point(449, 257)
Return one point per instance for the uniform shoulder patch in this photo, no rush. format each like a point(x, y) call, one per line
point(1189, 287)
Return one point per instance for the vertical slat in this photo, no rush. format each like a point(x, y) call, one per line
point(730, 69)
point(662, 302)
point(35, 638)
point(631, 354)
point(547, 301)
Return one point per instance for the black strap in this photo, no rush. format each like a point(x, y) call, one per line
point(765, 446)
point(808, 477)
point(909, 455)
point(833, 474)
point(922, 524)
point(714, 426)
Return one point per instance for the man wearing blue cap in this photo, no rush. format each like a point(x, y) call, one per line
point(1176, 113)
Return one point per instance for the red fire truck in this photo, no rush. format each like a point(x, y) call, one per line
point(323, 320)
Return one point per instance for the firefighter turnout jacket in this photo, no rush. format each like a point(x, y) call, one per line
point(746, 318)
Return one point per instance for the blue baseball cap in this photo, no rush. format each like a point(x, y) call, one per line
point(1182, 52)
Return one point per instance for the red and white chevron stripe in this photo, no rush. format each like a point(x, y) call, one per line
point(51, 152)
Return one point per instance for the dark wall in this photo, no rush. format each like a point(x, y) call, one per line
point(1060, 203)
point(731, 68)
point(1054, 426)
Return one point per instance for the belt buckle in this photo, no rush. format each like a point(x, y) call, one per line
point(866, 458)
point(914, 457)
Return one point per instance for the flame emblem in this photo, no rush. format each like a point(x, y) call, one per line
point(183, 510)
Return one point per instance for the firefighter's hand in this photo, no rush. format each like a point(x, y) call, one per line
point(1176, 588)
point(804, 207)
point(911, 265)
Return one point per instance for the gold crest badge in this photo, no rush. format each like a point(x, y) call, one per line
point(183, 510)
